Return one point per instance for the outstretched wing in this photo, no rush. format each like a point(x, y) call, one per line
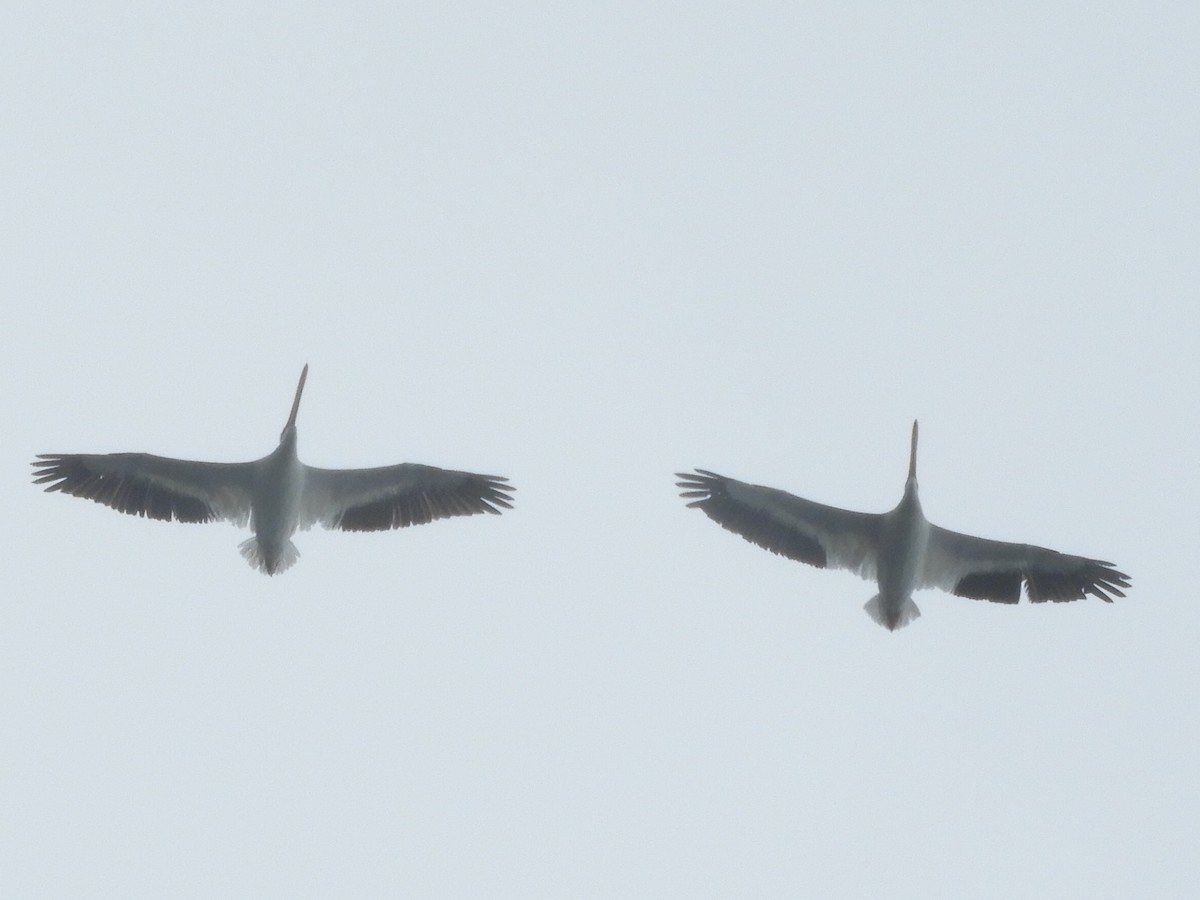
point(397, 496)
point(994, 570)
point(822, 536)
point(156, 487)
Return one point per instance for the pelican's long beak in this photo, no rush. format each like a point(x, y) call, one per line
point(912, 459)
point(291, 422)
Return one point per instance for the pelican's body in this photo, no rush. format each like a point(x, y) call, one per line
point(274, 495)
point(900, 550)
point(275, 506)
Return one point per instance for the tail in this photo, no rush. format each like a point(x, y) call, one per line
point(892, 619)
point(269, 563)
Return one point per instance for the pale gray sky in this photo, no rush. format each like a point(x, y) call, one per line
point(587, 248)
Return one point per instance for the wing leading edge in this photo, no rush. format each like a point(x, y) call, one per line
point(822, 536)
point(156, 487)
point(982, 569)
point(398, 496)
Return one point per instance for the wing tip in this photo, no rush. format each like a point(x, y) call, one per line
point(471, 494)
point(52, 469)
point(701, 483)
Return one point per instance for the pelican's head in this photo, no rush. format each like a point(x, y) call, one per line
point(291, 422)
point(912, 459)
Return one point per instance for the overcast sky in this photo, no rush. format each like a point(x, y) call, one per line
point(587, 248)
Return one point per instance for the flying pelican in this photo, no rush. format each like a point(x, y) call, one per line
point(900, 550)
point(274, 495)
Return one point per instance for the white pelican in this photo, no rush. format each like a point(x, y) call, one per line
point(900, 550)
point(275, 495)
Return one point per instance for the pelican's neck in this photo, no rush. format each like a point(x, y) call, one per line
point(291, 422)
point(910, 486)
point(912, 459)
point(287, 442)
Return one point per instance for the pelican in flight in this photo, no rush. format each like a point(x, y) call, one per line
point(274, 495)
point(900, 550)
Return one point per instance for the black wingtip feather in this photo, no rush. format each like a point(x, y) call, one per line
point(714, 501)
point(479, 494)
point(1095, 578)
point(133, 496)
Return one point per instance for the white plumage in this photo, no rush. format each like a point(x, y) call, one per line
point(900, 550)
point(274, 495)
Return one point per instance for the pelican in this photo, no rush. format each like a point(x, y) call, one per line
point(900, 550)
point(274, 495)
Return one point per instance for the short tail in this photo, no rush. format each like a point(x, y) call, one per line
point(269, 563)
point(889, 618)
